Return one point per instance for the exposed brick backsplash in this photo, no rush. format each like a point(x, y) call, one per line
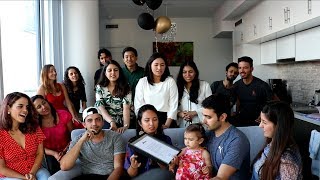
point(303, 78)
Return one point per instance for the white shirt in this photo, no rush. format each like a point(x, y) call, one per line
point(187, 105)
point(163, 96)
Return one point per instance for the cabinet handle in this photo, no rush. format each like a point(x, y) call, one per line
point(270, 23)
point(309, 7)
point(288, 15)
point(241, 36)
point(285, 16)
point(254, 30)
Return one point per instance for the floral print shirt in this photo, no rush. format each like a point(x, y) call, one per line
point(290, 165)
point(114, 105)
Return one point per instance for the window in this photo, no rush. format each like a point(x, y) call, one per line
point(20, 52)
point(30, 36)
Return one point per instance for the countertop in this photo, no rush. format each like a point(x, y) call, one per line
point(311, 118)
point(306, 113)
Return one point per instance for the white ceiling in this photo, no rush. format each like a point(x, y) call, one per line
point(126, 9)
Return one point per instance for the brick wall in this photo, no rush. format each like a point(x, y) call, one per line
point(303, 78)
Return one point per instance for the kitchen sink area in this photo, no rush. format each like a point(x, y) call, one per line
point(303, 108)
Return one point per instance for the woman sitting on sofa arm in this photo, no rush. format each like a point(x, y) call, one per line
point(148, 123)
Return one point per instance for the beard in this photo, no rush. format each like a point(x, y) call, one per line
point(231, 79)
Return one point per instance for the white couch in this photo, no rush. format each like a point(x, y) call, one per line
point(253, 133)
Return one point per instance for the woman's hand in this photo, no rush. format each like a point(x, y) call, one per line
point(121, 129)
point(134, 163)
point(56, 155)
point(113, 126)
point(30, 176)
point(173, 163)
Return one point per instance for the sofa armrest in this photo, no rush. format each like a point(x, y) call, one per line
point(67, 175)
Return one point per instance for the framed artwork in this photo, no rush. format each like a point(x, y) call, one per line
point(175, 52)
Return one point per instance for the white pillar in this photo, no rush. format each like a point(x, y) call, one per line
point(81, 40)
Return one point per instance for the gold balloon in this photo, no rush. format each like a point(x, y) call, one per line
point(163, 24)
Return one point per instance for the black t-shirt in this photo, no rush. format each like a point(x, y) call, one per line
point(252, 98)
point(217, 87)
point(97, 75)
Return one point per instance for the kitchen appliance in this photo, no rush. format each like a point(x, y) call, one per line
point(316, 97)
point(279, 89)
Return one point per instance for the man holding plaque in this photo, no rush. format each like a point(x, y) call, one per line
point(229, 148)
point(101, 152)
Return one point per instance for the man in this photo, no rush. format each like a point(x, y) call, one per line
point(252, 94)
point(225, 86)
point(229, 148)
point(101, 152)
point(131, 70)
point(104, 56)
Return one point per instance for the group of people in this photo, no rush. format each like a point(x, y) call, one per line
point(37, 129)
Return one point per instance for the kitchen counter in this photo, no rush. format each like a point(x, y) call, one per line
point(311, 118)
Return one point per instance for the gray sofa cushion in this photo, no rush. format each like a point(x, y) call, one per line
point(253, 133)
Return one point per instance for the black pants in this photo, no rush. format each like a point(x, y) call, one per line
point(162, 116)
point(51, 164)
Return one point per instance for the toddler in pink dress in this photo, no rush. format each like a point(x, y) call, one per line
point(194, 160)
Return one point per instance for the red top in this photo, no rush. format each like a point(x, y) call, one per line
point(57, 101)
point(58, 137)
point(15, 157)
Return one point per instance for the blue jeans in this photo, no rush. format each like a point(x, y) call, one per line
point(42, 174)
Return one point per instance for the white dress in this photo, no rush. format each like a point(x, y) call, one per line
point(163, 96)
point(187, 105)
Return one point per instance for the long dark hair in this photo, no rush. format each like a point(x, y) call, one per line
point(194, 89)
point(30, 125)
point(143, 109)
point(52, 109)
point(122, 87)
point(68, 83)
point(148, 71)
point(281, 115)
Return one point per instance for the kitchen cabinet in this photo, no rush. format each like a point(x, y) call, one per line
point(251, 50)
point(269, 52)
point(286, 47)
point(238, 35)
point(272, 16)
point(307, 44)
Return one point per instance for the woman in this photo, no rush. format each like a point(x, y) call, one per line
point(147, 122)
point(113, 97)
point(54, 92)
point(280, 158)
point(21, 142)
point(56, 126)
point(192, 92)
point(74, 83)
point(158, 89)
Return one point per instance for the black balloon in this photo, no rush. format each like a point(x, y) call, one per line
point(154, 4)
point(139, 2)
point(146, 21)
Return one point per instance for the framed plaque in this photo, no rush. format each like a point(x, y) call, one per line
point(154, 148)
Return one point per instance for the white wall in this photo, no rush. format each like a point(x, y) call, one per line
point(81, 40)
point(211, 55)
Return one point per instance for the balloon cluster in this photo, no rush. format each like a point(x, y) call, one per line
point(146, 21)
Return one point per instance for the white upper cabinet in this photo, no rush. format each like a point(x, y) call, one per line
point(271, 16)
point(307, 44)
point(269, 52)
point(238, 35)
point(313, 8)
point(286, 47)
